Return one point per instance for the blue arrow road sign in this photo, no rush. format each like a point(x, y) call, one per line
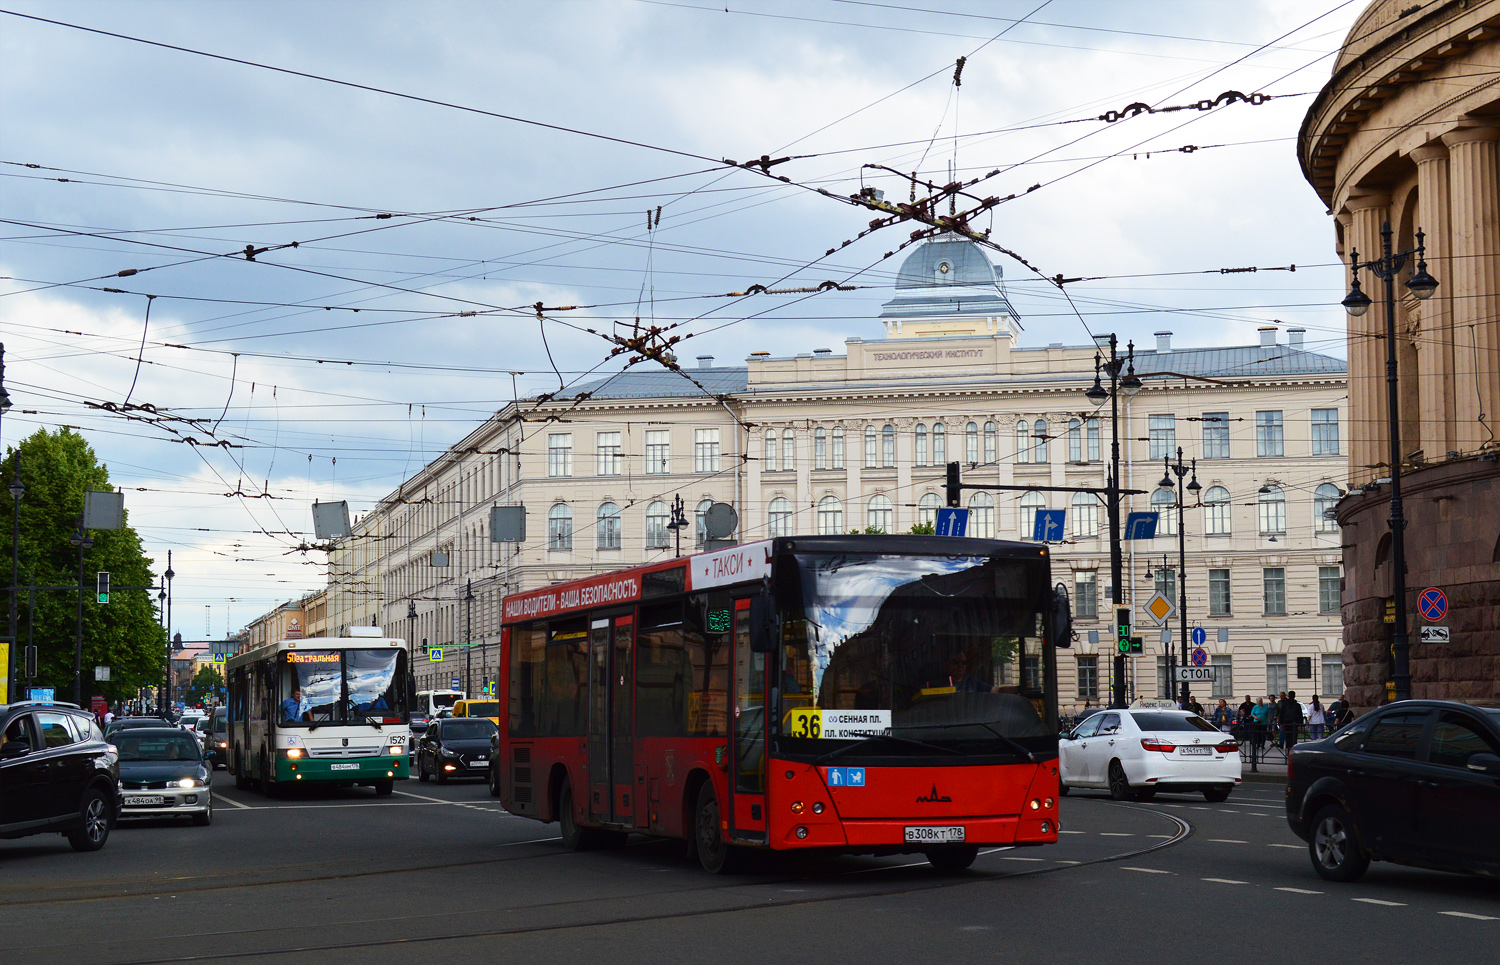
point(1140, 526)
point(1199, 636)
point(952, 521)
point(1048, 527)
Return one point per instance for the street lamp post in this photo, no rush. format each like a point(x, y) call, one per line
point(1356, 303)
point(1179, 470)
point(468, 638)
point(167, 577)
point(1097, 394)
point(17, 493)
point(678, 520)
point(81, 540)
point(161, 607)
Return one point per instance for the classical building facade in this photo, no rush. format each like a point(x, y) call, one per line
point(1407, 132)
point(829, 442)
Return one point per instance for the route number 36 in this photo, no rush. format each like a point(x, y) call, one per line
point(804, 722)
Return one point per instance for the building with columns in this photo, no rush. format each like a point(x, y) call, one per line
point(826, 442)
point(1407, 132)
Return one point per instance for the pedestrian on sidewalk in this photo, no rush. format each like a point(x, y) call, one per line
point(1222, 717)
point(1289, 716)
point(1260, 725)
point(1345, 714)
point(1316, 718)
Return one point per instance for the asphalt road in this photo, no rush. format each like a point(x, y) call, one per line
point(438, 874)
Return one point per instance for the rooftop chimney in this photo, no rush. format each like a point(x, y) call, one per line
point(822, 351)
point(705, 361)
point(1163, 342)
point(1268, 336)
point(1294, 337)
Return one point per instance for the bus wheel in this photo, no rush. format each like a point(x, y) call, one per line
point(573, 837)
point(715, 854)
point(385, 788)
point(952, 860)
point(241, 779)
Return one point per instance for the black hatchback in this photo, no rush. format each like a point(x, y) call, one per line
point(57, 774)
point(1415, 782)
point(455, 747)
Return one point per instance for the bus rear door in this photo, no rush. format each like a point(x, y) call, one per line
point(611, 687)
point(750, 720)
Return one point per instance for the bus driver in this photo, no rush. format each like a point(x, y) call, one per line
point(294, 708)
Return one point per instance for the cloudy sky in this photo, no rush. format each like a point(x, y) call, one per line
point(419, 173)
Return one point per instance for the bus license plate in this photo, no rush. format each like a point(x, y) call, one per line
point(140, 800)
point(1199, 751)
point(343, 767)
point(934, 835)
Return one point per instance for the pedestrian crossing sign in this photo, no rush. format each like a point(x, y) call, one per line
point(435, 654)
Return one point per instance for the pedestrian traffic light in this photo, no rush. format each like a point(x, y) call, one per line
point(1122, 628)
point(102, 586)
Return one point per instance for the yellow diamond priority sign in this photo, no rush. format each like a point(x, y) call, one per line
point(1160, 609)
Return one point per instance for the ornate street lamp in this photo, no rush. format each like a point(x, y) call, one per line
point(1112, 366)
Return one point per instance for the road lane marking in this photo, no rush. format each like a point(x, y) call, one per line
point(1227, 841)
point(1464, 914)
point(1294, 847)
point(1115, 834)
point(1168, 836)
point(1061, 861)
point(1147, 871)
point(1384, 904)
point(1225, 881)
point(1075, 832)
point(1300, 891)
point(229, 800)
point(1011, 857)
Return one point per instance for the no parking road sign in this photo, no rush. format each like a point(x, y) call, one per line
point(1433, 604)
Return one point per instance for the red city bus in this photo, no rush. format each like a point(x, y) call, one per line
point(862, 694)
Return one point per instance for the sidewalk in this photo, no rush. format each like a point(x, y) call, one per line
point(1269, 769)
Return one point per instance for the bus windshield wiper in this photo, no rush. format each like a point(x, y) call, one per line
point(907, 741)
point(374, 722)
point(1015, 744)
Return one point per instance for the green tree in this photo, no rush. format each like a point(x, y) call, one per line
point(206, 681)
point(922, 529)
point(123, 634)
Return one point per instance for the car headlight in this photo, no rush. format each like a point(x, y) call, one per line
point(188, 782)
point(447, 753)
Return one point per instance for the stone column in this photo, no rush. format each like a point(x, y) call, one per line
point(905, 498)
point(1435, 379)
point(1369, 440)
point(1475, 233)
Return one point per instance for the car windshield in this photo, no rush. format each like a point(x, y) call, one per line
point(463, 729)
point(930, 649)
point(157, 747)
point(1157, 722)
point(342, 686)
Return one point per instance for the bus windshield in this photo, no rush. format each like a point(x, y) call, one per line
point(941, 650)
point(341, 687)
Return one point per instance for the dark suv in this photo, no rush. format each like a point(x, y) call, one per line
point(1415, 782)
point(57, 774)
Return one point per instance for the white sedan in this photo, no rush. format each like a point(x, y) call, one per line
point(1135, 753)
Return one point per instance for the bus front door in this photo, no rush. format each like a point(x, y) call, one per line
point(622, 717)
point(599, 721)
point(611, 688)
point(748, 773)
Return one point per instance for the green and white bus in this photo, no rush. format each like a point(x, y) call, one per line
point(321, 710)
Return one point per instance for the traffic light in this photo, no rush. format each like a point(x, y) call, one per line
point(102, 586)
point(1122, 629)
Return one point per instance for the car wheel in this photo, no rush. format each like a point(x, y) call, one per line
point(1145, 793)
point(93, 826)
point(442, 776)
point(494, 782)
point(715, 854)
point(203, 820)
point(385, 788)
point(1119, 784)
point(421, 771)
point(1216, 795)
point(573, 837)
point(952, 860)
point(1334, 846)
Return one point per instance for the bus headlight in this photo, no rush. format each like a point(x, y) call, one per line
point(398, 749)
point(294, 752)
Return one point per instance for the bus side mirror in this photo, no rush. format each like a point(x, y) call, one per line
point(1062, 618)
point(764, 627)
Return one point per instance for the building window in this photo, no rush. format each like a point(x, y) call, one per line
point(1275, 674)
point(608, 461)
point(1086, 594)
point(1166, 582)
point(559, 453)
point(927, 508)
point(1215, 435)
point(1085, 512)
point(607, 522)
point(982, 516)
point(772, 449)
point(939, 444)
point(560, 527)
point(830, 516)
point(888, 447)
point(780, 515)
point(838, 447)
point(657, 517)
point(872, 451)
point(1273, 582)
point(1162, 434)
point(1325, 432)
point(658, 451)
point(1330, 588)
point(1030, 503)
point(991, 443)
point(700, 518)
point(705, 450)
point(1075, 440)
point(1164, 505)
point(1218, 593)
point(1223, 665)
point(921, 444)
point(1091, 428)
point(1023, 441)
point(1216, 511)
point(1333, 674)
point(820, 448)
point(971, 443)
point(1039, 440)
point(1325, 498)
point(1270, 439)
point(1088, 678)
point(1272, 511)
point(879, 514)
